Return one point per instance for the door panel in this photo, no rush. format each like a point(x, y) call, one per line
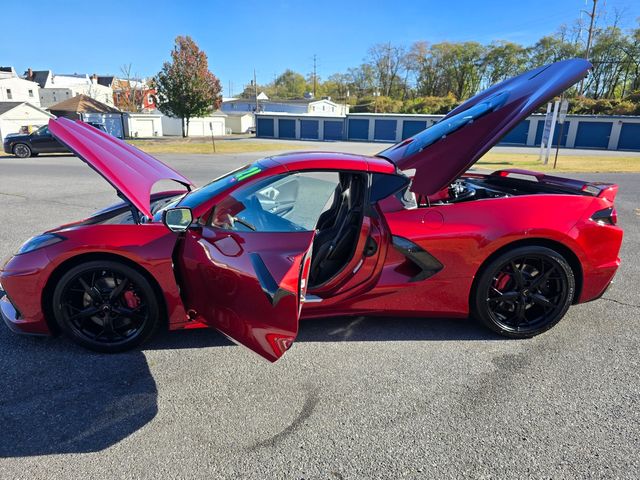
point(247, 284)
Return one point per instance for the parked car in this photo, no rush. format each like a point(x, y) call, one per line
point(309, 235)
point(40, 141)
point(32, 144)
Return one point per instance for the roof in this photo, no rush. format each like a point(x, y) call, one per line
point(284, 101)
point(106, 80)
point(82, 104)
point(237, 114)
point(39, 76)
point(7, 106)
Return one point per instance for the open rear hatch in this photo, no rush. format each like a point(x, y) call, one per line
point(444, 151)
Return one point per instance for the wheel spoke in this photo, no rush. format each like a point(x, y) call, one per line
point(90, 290)
point(540, 279)
point(85, 313)
point(117, 291)
point(542, 300)
point(508, 297)
point(130, 313)
point(517, 275)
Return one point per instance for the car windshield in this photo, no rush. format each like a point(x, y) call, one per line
point(220, 184)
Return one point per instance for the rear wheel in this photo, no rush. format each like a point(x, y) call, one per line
point(524, 291)
point(21, 150)
point(106, 306)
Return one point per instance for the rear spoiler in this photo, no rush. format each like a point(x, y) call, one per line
point(604, 190)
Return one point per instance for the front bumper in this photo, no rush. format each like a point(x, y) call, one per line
point(7, 148)
point(11, 316)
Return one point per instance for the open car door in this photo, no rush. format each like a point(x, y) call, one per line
point(244, 271)
point(248, 285)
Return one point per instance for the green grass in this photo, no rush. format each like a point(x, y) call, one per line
point(491, 161)
point(566, 163)
point(204, 146)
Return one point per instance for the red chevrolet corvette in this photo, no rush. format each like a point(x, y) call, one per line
point(323, 234)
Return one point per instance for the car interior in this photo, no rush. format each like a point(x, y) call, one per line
point(337, 229)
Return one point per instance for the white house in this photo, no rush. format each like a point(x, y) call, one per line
point(15, 89)
point(16, 116)
point(312, 106)
point(58, 88)
point(198, 127)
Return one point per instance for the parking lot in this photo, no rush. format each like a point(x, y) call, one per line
point(354, 398)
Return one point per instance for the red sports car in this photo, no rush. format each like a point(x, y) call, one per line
point(323, 234)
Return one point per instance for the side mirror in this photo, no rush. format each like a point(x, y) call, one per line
point(177, 219)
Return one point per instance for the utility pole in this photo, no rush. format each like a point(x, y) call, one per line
point(315, 82)
point(255, 88)
point(592, 18)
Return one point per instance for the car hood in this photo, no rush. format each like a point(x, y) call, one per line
point(17, 136)
point(132, 172)
point(444, 151)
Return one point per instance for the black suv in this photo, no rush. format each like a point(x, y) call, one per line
point(41, 141)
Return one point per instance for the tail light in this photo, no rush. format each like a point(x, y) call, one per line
point(606, 216)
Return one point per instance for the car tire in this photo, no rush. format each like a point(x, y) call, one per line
point(22, 150)
point(106, 306)
point(523, 292)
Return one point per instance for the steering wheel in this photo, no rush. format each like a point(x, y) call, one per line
point(232, 222)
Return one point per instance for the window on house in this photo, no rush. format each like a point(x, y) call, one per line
point(9, 94)
point(31, 93)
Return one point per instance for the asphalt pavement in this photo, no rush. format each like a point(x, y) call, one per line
point(354, 398)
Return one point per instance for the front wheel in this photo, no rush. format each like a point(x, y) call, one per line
point(524, 292)
point(21, 150)
point(106, 306)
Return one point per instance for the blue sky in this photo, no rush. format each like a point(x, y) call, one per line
point(238, 36)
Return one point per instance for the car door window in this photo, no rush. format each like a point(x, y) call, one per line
point(284, 203)
point(42, 132)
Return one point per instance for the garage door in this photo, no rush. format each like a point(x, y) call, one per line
point(333, 130)
point(196, 128)
point(411, 127)
point(217, 126)
point(264, 127)
point(358, 129)
point(309, 129)
point(286, 128)
point(385, 130)
point(593, 134)
point(144, 127)
point(629, 137)
point(518, 134)
point(556, 134)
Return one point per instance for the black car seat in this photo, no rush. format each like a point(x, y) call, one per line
point(338, 231)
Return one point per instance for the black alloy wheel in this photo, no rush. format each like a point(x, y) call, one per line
point(21, 150)
point(524, 292)
point(106, 306)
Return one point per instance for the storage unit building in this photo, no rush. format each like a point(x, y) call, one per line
point(578, 131)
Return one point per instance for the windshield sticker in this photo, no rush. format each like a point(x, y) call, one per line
point(249, 172)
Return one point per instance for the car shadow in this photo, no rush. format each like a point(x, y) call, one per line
point(344, 329)
point(58, 398)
